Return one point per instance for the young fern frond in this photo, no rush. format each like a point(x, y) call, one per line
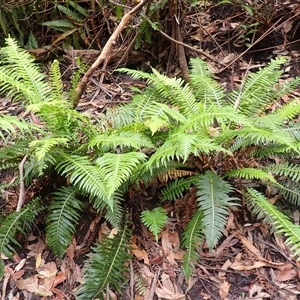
point(106, 266)
point(214, 201)
point(155, 220)
point(56, 82)
point(192, 236)
point(14, 223)
point(279, 221)
point(62, 219)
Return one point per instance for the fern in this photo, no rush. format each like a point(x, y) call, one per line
point(155, 220)
point(190, 240)
point(106, 266)
point(175, 189)
point(282, 224)
point(62, 218)
point(14, 223)
point(251, 173)
point(214, 201)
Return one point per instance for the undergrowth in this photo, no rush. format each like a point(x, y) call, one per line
point(159, 134)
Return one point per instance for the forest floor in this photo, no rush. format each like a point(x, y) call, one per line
point(250, 262)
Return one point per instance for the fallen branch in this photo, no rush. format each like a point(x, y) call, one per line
point(105, 52)
point(22, 185)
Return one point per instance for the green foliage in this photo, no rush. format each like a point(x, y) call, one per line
point(214, 201)
point(16, 223)
point(106, 266)
point(190, 240)
point(155, 220)
point(62, 218)
point(263, 208)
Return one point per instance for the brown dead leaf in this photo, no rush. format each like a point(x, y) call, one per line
point(164, 293)
point(61, 277)
point(286, 272)
point(140, 254)
point(224, 290)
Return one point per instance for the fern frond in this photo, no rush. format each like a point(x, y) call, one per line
point(62, 219)
point(251, 173)
point(181, 145)
point(154, 220)
point(130, 139)
point(257, 90)
point(174, 189)
point(285, 169)
point(192, 236)
point(117, 168)
point(205, 88)
point(62, 25)
point(71, 14)
point(290, 191)
point(55, 80)
point(278, 220)
point(14, 223)
point(106, 266)
point(214, 201)
point(11, 125)
point(85, 175)
point(20, 78)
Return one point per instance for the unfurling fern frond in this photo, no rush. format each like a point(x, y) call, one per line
point(214, 201)
point(251, 173)
point(16, 222)
point(106, 266)
point(155, 220)
point(262, 207)
point(62, 219)
point(192, 236)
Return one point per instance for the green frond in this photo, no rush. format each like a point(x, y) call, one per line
point(175, 189)
point(117, 168)
point(128, 139)
point(290, 110)
point(55, 80)
point(71, 14)
point(154, 220)
point(192, 236)
point(106, 266)
point(84, 175)
point(11, 125)
point(16, 222)
point(290, 191)
point(278, 220)
point(257, 90)
point(214, 201)
point(61, 25)
point(62, 219)
point(13, 153)
point(206, 89)
point(159, 116)
point(251, 173)
point(285, 169)
point(180, 145)
point(20, 77)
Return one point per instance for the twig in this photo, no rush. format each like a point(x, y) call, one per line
point(22, 185)
point(81, 87)
point(153, 286)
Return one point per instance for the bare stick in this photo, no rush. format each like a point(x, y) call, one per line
point(22, 185)
point(105, 52)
